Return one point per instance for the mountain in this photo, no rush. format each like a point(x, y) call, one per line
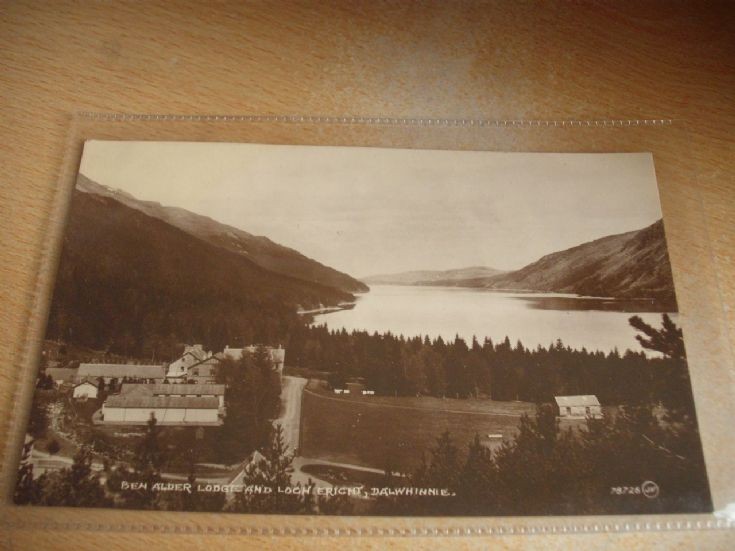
point(260, 250)
point(432, 277)
point(628, 265)
point(131, 282)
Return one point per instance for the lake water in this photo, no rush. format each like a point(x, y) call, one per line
point(534, 318)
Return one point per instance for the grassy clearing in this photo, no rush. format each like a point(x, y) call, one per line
point(392, 432)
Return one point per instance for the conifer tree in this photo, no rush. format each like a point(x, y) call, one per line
point(78, 486)
point(145, 473)
point(271, 471)
point(27, 490)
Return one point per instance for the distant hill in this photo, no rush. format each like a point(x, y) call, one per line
point(432, 277)
point(260, 250)
point(134, 283)
point(628, 265)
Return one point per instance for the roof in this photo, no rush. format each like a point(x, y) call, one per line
point(196, 350)
point(95, 385)
point(61, 373)
point(582, 400)
point(173, 388)
point(276, 354)
point(122, 370)
point(160, 402)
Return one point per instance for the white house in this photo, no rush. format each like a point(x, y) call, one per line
point(194, 354)
point(134, 409)
point(85, 390)
point(579, 407)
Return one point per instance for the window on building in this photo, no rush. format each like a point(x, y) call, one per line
point(569, 410)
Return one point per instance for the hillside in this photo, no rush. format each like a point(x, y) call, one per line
point(628, 265)
point(432, 277)
point(260, 250)
point(137, 284)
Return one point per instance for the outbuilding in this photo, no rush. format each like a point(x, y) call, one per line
point(134, 409)
point(579, 407)
point(122, 372)
point(85, 390)
point(177, 390)
point(62, 375)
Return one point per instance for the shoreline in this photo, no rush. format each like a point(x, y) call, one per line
point(327, 309)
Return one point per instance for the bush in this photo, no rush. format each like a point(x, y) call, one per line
point(53, 447)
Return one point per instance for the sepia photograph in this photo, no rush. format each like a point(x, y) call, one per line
point(289, 329)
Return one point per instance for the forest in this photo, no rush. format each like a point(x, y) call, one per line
point(395, 365)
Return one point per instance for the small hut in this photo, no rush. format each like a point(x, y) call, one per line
point(579, 407)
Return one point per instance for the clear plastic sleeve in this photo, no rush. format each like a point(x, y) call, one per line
point(702, 313)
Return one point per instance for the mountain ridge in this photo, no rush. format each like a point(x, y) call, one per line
point(632, 264)
point(132, 282)
point(427, 277)
point(258, 249)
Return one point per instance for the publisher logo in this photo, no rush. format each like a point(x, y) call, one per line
point(650, 489)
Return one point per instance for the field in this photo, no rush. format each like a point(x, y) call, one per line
point(380, 431)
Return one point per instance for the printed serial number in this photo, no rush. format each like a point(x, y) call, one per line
point(626, 490)
point(648, 489)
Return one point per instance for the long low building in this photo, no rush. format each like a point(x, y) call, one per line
point(120, 372)
point(191, 390)
point(134, 409)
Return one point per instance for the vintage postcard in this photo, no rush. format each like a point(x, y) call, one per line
point(360, 331)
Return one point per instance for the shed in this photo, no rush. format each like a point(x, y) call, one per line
point(85, 390)
point(62, 375)
point(355, 388)
point(579, 407)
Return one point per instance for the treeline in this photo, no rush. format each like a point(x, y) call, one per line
point(635, 463)
point(395, 365)
point(133, 485)
point(647, 458)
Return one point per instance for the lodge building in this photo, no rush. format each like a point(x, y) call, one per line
point(184, 393)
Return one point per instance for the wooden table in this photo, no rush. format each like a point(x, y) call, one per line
point(498, 60)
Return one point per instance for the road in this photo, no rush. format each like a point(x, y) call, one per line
point(292, 391)
point(290, 419)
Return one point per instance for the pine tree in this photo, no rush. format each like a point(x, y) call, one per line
point(669, 340)
point(272, 471)
point(38, 421)
point(476, 484)
point(674, 386)
point(77, 486)
point(146, 472)
point(27, 490)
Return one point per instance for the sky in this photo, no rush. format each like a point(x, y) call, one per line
point(369, 211)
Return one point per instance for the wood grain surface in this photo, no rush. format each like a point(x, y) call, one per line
point(491, 60)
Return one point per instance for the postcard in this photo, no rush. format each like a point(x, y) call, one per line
point(254, 328)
